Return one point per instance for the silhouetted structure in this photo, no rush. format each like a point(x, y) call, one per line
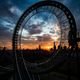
point(72, 39)
point(39, 47)
point(54, 46)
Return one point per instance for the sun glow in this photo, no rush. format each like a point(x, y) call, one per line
point(48, 47)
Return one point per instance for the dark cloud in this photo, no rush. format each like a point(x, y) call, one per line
point(45, 37)
point(34, 29)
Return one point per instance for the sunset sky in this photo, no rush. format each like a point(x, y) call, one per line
point(42, 28)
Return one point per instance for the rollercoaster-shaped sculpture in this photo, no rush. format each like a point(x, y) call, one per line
point(66, 22)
